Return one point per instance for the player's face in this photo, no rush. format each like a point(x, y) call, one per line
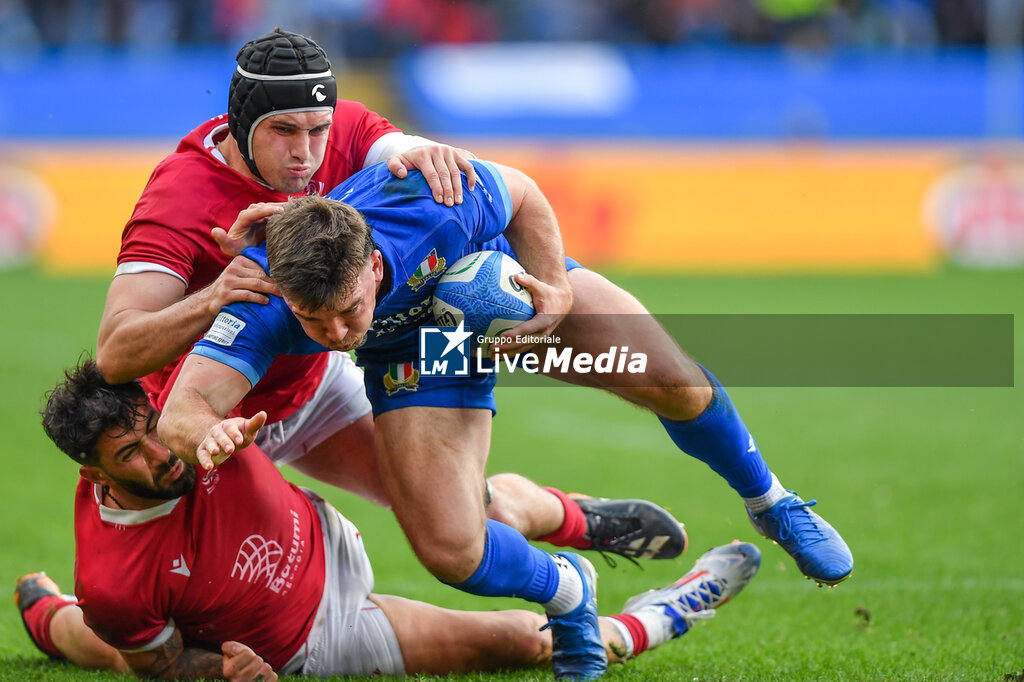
point(141, 465)
point(344, 327)
point(289, 148)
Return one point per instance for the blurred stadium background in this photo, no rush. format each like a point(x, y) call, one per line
point(807, 135)
point(716, 156)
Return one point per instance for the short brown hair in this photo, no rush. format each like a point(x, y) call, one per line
point(316, 249)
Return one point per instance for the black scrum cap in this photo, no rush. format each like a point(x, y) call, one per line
point(279, 72)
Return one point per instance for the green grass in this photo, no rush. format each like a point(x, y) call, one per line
point(925, 484)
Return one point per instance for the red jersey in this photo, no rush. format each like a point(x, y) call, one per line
point(240, 558)
point(192, 191)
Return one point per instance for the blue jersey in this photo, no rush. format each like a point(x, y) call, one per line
point(418, 239)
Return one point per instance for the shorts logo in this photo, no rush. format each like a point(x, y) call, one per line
point(257, 560)
point(224, 330)
point(431, 267)
point(444, 351)
point(401, 377)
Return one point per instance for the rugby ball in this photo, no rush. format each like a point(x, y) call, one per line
point(480, 289)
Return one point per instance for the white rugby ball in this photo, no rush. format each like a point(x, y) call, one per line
point(480, 289)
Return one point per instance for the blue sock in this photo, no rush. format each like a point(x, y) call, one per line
point(512, 567)
point(720, 439)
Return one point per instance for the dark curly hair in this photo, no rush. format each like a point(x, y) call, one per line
point(83, 407)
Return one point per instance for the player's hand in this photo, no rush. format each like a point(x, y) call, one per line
point(248, 229)
point(228, 436)
point(242, 280)
point(551, 303)
point(440, 165)
point(241, 664)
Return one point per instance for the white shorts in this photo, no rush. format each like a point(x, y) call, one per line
point(351, 635)
point(338, 402)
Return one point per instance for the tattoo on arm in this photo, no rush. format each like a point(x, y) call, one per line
point(173, 661)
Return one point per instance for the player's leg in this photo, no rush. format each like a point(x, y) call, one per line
point(347, 460)
point(55, 624)
point(437, 641)
point(432, 462)
point(633, 528)
point(699, 416)
point(330, 438)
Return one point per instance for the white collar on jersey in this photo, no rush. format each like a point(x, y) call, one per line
point(211, 146)
point(131, 517)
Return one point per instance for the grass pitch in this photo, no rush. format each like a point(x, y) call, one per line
point(925, 485)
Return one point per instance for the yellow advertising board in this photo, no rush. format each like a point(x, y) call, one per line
point(696, 208)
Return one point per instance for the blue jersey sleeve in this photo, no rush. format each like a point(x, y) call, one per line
point(248, 336)
point(487, 210)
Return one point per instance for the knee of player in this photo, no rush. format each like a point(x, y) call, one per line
point(678, 401)
point(448, 559)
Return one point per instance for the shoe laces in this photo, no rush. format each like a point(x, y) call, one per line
point(578, 626)
point(610, 529)
point(799, 523)
point(682, 619)
point(693, 604)
point(613, 563)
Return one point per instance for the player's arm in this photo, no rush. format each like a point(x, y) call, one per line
point(173, 661)
point(534, 235)
point(148, 321)
point(194, 422)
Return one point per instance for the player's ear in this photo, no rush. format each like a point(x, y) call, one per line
point(92, 474)
point(377, 265)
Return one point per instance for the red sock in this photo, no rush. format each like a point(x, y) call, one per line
point(573, 529)
point(636, 630)
point(37, 621)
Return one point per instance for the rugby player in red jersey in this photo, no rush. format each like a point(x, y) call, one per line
point(235, 573)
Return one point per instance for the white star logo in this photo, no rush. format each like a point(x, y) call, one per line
point(455, 338)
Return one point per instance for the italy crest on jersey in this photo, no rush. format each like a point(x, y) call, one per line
point(431, 267)
point(402, 377)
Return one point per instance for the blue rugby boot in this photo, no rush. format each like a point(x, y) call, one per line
point(820, 552)
point(716, 577)
point(577, 651)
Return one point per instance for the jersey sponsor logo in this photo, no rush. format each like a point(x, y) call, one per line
point(224, 330)
point(257, 560)
point(412, 317)
point(180, 567)
point(431, 268)
point(210, 480)
point(401, 377)
point(282, 582)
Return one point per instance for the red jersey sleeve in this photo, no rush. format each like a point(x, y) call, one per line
point(354, 129)
point(170, 225)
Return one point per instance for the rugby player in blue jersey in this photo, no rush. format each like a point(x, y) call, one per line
point(356, 271)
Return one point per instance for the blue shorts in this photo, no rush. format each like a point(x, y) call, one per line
point(391, 386)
